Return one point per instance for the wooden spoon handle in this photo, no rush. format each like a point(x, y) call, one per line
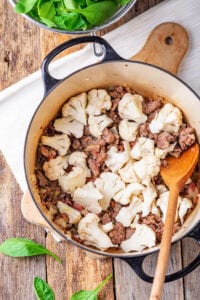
point(163, 257)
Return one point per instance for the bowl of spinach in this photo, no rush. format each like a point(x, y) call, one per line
point(73, 16)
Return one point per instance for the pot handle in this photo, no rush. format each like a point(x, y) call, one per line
point(137, 263)
point(109, 54)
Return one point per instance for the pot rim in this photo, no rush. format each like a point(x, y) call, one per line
point(85, 247)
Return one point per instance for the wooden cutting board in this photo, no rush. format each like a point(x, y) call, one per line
point(165, 47)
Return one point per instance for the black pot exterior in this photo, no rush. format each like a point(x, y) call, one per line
point(50, 83)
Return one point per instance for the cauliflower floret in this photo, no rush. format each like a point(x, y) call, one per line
point(127, 173)
point(135, 221)
point(107, 227)
point(161, 188)
point(185, 205)
point(147, 168)
point(69, 126)
point(73, 215)
point(124, 196)
point(116, 160)
point(128, 130)
point(142, 147)
point(130, 108)
point(54, 168)
point(91, 234)
point(169, 118)
point(98, 102)
point(74, 179)
point(108, 184)
point(88, 196)
point(98, 123)
point(143, 237)
point(155, 210)
point(162, 153)
point(60, 142)
point(128, 213)
point(75, 108)
point(78, 159)
point(162, 202)
point(149, 195)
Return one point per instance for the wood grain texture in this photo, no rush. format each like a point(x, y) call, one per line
point(17, 282)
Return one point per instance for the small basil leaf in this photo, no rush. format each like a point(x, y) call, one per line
point(99, 12)
point(24, 6)
point(20, 247)
point(90, 295)
point(42, 290)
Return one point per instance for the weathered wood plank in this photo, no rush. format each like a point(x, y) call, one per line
point(17, 282)
point(127, 280)
point(190, 249)
point(86, 272)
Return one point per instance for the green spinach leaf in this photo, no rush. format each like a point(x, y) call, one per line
point(24, 6)
point(20, 247)
point(90, 295)
point(70, 21)
point(99, 12)
point(42, 290)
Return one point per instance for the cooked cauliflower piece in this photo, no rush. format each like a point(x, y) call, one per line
point(162, 153)
point(69, 126)
point(127, 173)
point(143, 237)
point(135, 221)
point(88, 196)
point(91, 234)
point(78, 159)
point(124, 196)
point(108, 184)
point(185, 205)
point(74, 179)
point(54, 168)
point(130, 108)
point(128, 130)
point(98, 102)
point(73, 215)
point(142, 147)
point(149, 195)
point(60, 142)
point(116, 160)
point(162, 202)
point(76, 108)
point(169, 119)
point(107, 227)
point(155, 210)
point(147, 168)
point(128, 213)
point(161, 188)
point(98, 123)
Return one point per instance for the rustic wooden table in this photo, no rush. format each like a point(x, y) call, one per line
point(22, 48)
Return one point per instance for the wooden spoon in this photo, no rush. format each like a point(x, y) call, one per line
point(175, 176)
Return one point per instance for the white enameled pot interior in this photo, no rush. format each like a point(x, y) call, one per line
point(145, 79)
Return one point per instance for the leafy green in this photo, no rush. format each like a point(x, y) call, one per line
point(20, 247)
point(98, 12)
point(42, 290)
point(24, 6)
point(90, 295)
point(70, 14)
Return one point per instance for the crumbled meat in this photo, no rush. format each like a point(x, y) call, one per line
point(48, 152)
point(76, 145)
point(108, 136)
point(158, 179)
point(164, 140)
point(117, 92)
point(186, 138)
point(117, 234)
point(129, 232)
point(42, 180)
point(176, 152)
point(114, 209)
point(105, 218)
point(114, 116)
point(94, 166)
point(149, 106)
point(144, 131)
